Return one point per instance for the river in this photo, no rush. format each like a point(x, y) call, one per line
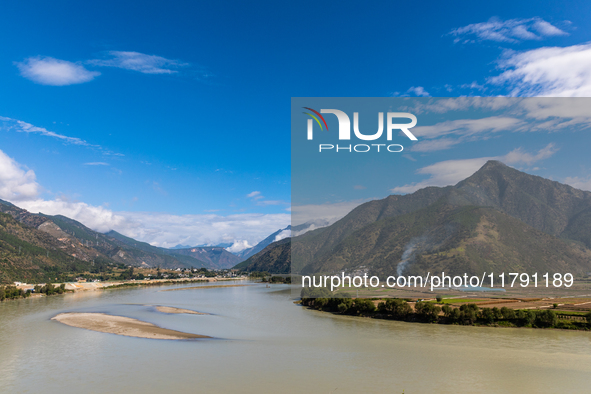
point(265, 343)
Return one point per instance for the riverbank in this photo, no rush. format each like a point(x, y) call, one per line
point(10, 292)
point(465, 314)
point(121, 326)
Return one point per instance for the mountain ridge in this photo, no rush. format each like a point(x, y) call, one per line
point(497, 196)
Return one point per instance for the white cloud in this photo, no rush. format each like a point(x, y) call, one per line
point(441, 106)
point(579, 182)
point(450, 172)
point(96, 163)
point(239, 246)
point(55, 72)
point(413, 91)
point(512, 31)
point(255, 195)
point(322, 213)
point(97, 218)
point(135, 61)
point(16, 182)
point(282, 235)
point(19, 185)
point(548, 71)
point(465, 129)
point(23, 127)
point(166, 230)
point(418, 91)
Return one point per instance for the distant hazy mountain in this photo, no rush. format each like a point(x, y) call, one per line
point(277, 235)
point(179, 246)
point(499, 219)
point(213, 256)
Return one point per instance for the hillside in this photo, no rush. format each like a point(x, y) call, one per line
point(31, 255)
point(497, 219)
point(245, 254)
point(153, 256)
point(113, 246)
point(275, 259)
point(456, 240)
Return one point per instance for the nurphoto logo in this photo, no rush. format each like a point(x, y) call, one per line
point(345, 130)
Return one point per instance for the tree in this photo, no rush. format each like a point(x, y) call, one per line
point(345, 305)
point(546, 318)
point(487, 315)
point(399, 309)
point(468, 313)
point(427, 311)
point(439, 298)
point(526, 318)
point(446, 310)
point(508, 314)
point(455, 315)
point(363, 306)
point(320, 303)
point(497, 313)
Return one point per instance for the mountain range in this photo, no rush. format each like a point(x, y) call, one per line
point(37, 247)
point(498, 219)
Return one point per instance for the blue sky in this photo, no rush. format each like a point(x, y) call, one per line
point(178, 113)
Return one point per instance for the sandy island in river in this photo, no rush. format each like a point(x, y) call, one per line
point(121, 326)
point(170, 309)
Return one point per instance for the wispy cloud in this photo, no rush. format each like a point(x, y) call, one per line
point(96, 163)
point(135, 61)
point(510, 31)
point(450, 172)
point(23, 127)
point(51, 71)
point(417, 91)
point(55, 72)
point(548, 71)
point(256, 195)
point(463, 130)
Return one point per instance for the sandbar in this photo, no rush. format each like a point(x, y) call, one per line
point(170, 309)
point(121, 326)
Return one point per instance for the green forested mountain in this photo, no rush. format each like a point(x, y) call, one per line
point(498, 219)
point(31, 255)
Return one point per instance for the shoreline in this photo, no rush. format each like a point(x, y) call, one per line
point(468, 314)
point(81, 287)
point(120, 325)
